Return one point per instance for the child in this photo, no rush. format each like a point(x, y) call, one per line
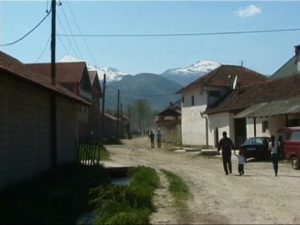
point(241, 162)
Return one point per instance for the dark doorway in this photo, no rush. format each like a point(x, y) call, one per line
point(216, 136)
point(240, 131)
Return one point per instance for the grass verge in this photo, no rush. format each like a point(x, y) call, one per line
point(178, 189)
point(130, 204)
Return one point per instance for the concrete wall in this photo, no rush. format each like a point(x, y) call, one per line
point(67, 130)
point(218, 123)
point(24, 130)
point(193, 126)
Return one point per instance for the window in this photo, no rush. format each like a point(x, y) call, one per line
point(293, 123)
point(193, 100)
point(213, 97)
point(265, 126)
point(182, 99)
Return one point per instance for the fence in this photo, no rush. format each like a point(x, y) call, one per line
point(89, 152)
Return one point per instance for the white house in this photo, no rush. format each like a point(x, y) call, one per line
point(201, 128)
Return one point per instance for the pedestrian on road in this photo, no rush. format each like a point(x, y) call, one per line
point(158, 138)
point(226, 145)
point(241, 162)
point(273, 147)
point(151, 137)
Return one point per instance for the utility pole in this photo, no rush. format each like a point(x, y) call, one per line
point(53, 82)
point(121, 122)
point(103, 108)
point(129, 122)
point(118, 114)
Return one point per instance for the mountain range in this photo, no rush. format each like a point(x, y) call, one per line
point(158, 89)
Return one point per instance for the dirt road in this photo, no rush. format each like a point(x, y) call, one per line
point(258, 197)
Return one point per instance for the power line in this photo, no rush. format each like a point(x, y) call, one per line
point(68, 38)
point(70, 29)
point(29, 32)
point(43, 51)
point(78, 27)
point(182, 34)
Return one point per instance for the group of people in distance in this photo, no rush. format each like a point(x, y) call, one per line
point(226, 145)
point(153, 136)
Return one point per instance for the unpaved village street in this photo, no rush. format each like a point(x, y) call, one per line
point(258, 197)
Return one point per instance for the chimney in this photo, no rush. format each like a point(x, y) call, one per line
point(297, 57)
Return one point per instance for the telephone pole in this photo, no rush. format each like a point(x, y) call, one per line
point(53, 82)
point(103, 108)
point(118, 114)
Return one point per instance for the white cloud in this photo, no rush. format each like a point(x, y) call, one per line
point(250, 10)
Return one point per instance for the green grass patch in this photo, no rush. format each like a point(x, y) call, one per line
point(56, 197)
point(178, 189)
point(130, 204)
point(91, 151)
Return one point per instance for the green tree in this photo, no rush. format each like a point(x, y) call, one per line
point(142, 115)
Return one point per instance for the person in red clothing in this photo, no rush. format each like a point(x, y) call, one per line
point(226, 145)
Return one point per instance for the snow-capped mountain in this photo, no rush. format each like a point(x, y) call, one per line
point(186, 75)
point(112, 74)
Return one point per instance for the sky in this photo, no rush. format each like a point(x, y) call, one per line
point(153, 36)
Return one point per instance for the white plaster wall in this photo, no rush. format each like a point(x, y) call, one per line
point(193, 126)
point(221, 122)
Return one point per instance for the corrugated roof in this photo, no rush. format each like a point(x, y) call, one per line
point(19, 70)
point(220, 77)
point(282, 107)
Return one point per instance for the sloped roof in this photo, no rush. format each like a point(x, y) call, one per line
point(174, 108)
point(94, 79)
point(19, 70)
point(281, 107)
point(92, 75)
point(220, 77)
point(289, 68)
point(66, 72)
point(271, 90)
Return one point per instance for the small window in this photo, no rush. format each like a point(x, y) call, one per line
point(193, 100)
point(293, 123)
point(265, 126)
point(213, 97)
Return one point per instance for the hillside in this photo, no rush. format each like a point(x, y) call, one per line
point(156, 89)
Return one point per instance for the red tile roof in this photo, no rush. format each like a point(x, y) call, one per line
point(66, 72)
point(220, 77)
point(271, 90)
point(19, 70)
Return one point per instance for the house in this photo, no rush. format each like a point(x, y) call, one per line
point(26, 125)
point(75, 77)
point(258, 110)
point(95, 110)
point(207, 92)
point(291, 67)
point(169, 123)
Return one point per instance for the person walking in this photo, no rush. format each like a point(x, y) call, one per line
point(151, 137)
point(241, 162)
point(158, 138)
point(226, 145)
point(273, 147)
